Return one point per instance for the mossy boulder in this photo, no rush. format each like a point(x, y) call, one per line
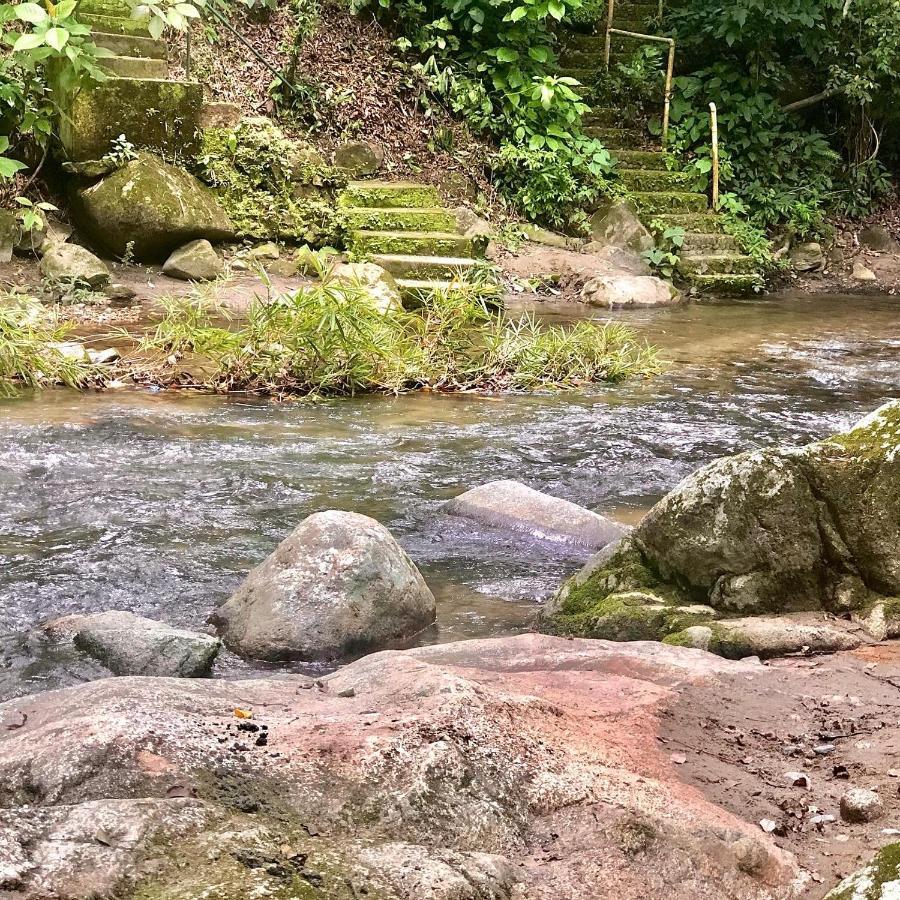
point(151, 207)
point(769, 531)
point(879, 880)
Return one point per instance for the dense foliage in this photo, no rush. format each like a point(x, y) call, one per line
point(329, 339)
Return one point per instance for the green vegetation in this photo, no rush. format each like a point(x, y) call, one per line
point(32, 352)
point(330, 340)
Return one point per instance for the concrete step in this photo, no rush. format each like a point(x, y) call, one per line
point(629, 10)
point(725, 285)
point(136, 67)
point(423, 267)
point(602, 117)
point(390, 194)
point(717, 264)
point(655, 203)
point(399, 219)
point(115, 24)
point(426, 243)
point(130, 45)
point(640, 26)
point(698, 223)
point(584, 43)
point(697, 243)
point(616, 138)
point(573, 58)
point(645, 159)
point(584, 75)
point(647, 180)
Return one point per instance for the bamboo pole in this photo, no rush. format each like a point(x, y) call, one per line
point(714, 130)
point(607, 50)
point(670, 72)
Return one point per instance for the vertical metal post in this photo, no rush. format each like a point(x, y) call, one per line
point(610, 14)
point(670, 71)
point(714, 130)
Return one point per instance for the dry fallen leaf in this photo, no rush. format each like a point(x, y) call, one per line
point(242, 713)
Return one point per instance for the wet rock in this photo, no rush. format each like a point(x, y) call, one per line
point(359, 158)
point(768, 531)
point(861, 272)
point(127, 644)
point(488, 744)
point(618, 225)
point(196, 261)
point(879, 880)
point(104, 357)
point(71, 350)
point(339, 584)
point(620, 291)
point(379, 284)
point(878, 238)
point(808, 257)
point(73, 264)
point(511, 504)
point(151, 208)
point(861, 805)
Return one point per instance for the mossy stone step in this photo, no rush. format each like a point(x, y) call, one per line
point(136, 67)
point(584, 75)
point(638, 10)
point(426, 243)
point(389, 194)
point(656, 203)
point(602, 117)
point(726, 285)
point(590, 43)
point(717, 264)
point(116, 24)
point(697, 223)
point(130, 45)
point(694, 242)
point(423, 267)
point(638, 26)
point(616, 138)
point(399, 219)
point(658, 160)
point(575, 58)
point(653, 180)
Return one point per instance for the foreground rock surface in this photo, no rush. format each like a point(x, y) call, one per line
point(127, 644)
point(879, 880)
point(152, 208)
point(338, 585)
point(515, 769)
point(770, 531)
point(511, 504)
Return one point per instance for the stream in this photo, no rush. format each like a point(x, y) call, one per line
point(159, 503)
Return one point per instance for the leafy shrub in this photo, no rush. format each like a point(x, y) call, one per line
point(329, 339)
point(271, 186)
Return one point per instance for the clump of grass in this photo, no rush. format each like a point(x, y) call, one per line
point(31, 351)
point(329, 339)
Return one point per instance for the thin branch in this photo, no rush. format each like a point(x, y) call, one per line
point(811, 101)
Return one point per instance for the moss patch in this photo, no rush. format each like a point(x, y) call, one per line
point(270, 186)
point(880, 879)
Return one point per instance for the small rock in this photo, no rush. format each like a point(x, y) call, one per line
point(877, 237)
point(104, 357)
point(768, 825)
point(808, 257)
point(72, 350)
point(861, 272)
point(824, 749)
point(284, 268)
point(861, 805)
point(120, 294)
point(196, 261)
point(30, 242)
point(797, 779)
point(359, 157)
point(269, 250)
point(822, 819)
point(621, 261)
point(218, 114)
point(678, 758)
point(548, 238)
point(71, 263)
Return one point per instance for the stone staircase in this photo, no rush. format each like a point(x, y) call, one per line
point(711, 261)
point(139, 101)
point(403, 227)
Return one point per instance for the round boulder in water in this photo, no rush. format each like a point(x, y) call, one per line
point(339, 584)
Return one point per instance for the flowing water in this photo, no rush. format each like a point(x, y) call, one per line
point(159, 503)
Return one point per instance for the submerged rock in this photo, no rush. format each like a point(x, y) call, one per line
point(127, 644)
point(150, 207)
point(196, 261)
point(511, 504)
point(71, 263)
point(426, 773)
point(338, 585)
point(769, 531)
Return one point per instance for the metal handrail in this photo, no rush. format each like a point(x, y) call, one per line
point(714, 143)
point(670, 68)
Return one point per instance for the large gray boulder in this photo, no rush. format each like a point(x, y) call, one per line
point(511, 504)
point(618, 225)
point(624, 291)
point(71, 263)
point(780, 530)
point(339, 584)
point(151, 207)
point(127, 644)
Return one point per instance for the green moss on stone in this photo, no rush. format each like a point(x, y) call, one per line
point(880, 880)
point(398, 194)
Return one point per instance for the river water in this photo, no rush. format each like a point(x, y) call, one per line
point(159, 503)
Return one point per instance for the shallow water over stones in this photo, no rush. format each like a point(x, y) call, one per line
point(159, 503)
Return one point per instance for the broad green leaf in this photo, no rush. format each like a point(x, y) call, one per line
point(505, 54)
point(28, 41)
point(9, 167)
point(188, 10)
point(176, 20)
point(539, 54)
point(57, 38)
point(556, 9)
point(32, 13)
point(518, 13)
point(4, 143)
point(65, 9)
point(156, 28)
